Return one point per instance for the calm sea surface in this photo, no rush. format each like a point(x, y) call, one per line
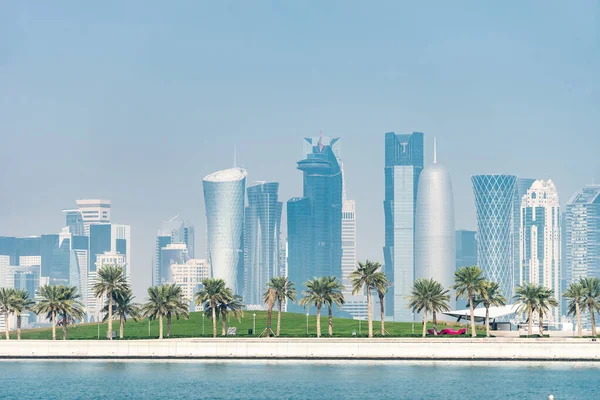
point(295, 380)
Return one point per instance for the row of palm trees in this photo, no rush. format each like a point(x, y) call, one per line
point(584, 295)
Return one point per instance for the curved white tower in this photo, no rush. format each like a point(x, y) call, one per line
point(435, 241)
point(224, 193)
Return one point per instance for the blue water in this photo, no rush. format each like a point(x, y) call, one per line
point(295, 380)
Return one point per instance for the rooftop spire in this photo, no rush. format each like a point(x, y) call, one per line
point(234, 156)
point(435, 150)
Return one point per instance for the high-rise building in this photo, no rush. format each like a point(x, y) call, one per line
point(540, 239)
point(315, 220)
point(74, 221)
point(189, 275)
point(403, 166)
point(435, 253)
point(582, 235)
point(120, 242)
point(92, 211)
point(523, 185)
point(173, 253)
point(261, 240)
point(224, 193)
point(494, 203)
point(466, 248)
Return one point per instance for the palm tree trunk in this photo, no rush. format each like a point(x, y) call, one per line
point(541, 315)
point(279, 319)
point(269, 317)
point(425, 322)
point(381, 303)
point(53, 325)
point(434, 317)
point(110, 303)
point(593, 322)
point(472, 310)
point(214, 319)
point(578, 315)
point(169, 318)
point(531, 323)
point(6, 326)
point(223, 324)
point(319, 320)
point(487, 322)
point(121, 326)
point(370, 312)
point(65, 326)
point(330, 321)
point(160, 329)
point(18, 327)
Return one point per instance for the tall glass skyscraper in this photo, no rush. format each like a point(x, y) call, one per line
point(523, 184)
point(171, 232)
point(262, 236)
point(494, 203)
point(224, 193)
point(403, 166)
point(315, 220)
point(435, 254)
point(540, 239)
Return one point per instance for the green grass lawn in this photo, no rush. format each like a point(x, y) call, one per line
point(292, 325)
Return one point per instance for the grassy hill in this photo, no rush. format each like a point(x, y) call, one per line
point(292, 325)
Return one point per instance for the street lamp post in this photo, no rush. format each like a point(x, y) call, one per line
point(148, 327)
point(98, 329)
point(359, 331)
point(307, 324)
point(413, 323)
point(254, 324)
point(203, 324)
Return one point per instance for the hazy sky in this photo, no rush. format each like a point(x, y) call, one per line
point(137, 101)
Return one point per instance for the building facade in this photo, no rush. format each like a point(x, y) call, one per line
point(466, 248)
point(540, 239)
point(494, 203)
point(403, 165)
point(315, 220)
point(523, 185)
point(435, 253)
point(262, 240)
point(189, 275)
point(224, 193)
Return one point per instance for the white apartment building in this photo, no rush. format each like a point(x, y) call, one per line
point(93, 211)
point(356, 305)
point(189, 276)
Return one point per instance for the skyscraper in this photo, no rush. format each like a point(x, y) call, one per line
point(224, 193)
point(435, 253)
point(403, 166)
point(262, 236)
point(523, 184)
point(582, 231)
point(92, 211)
point(540, 238)
point(494, 203)
point(466, 248)
point(315, 220)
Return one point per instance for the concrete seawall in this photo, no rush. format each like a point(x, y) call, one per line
point(302, 349)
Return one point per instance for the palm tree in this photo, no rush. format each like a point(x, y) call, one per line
point(284, 291)
point(110, 279)
point(230, 305)
point(333, 295)
point(6, 306)
point(428, 295)
point(381, 284)
point(545, 301)
point(527, 296)
point(212, 293)
point(591, 298)
point(156, 307)
point(176, 305)
point(70, 307)
point(489, 295)
point(269, 298)
point(123, 306)
point(575, 293)
point(467, 282)
point(315, 295)
point(439, 301)
point(363, 279)
point(22, 303)
point(50, 303)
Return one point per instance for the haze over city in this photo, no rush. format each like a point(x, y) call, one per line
point(136, 103)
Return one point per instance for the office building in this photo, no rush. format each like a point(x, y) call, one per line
point(523, 185)
point(224, 193)
point(315, 220)
point(92, 211)
point(435, 253)
point(494, 203)
point(189, 275)
point(466, 248)
point(403, 165)
point(262, 240)
point(540, 239)
point(171, 232)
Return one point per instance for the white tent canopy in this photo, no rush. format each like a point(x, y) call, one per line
point(479, 313)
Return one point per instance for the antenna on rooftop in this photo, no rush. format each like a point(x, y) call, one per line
point(234, 156)
point(435, 150)
point(174, 218)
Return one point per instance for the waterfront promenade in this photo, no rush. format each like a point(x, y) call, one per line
point(500, 349)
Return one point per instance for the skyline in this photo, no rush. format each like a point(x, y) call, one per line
point(485, 109)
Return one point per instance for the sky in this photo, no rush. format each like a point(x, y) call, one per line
point(137, 101)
